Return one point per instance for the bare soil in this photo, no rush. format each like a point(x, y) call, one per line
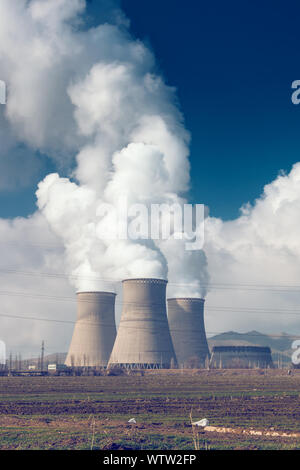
point(93, 412)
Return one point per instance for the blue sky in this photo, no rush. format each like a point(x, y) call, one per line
point(232, 64)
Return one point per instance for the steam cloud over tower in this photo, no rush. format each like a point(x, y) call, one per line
point(186, 320)
point(95, 330)
point(143, 338)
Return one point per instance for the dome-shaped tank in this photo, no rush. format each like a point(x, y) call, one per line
point(241, 357)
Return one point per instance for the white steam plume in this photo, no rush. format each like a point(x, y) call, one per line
point(254, 261)
point(92, 97)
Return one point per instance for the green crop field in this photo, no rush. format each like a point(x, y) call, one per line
point(93, 412)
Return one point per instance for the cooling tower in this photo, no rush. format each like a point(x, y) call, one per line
point(95, 330)
point(186, 321)
point(241, 357)
point(143, 338)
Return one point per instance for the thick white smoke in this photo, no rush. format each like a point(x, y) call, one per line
point(101, 100)
point(254, 260)
point(31, 300)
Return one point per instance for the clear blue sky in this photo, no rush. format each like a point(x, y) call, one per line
point(233, 64)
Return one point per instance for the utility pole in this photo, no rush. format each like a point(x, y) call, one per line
point(42, 356)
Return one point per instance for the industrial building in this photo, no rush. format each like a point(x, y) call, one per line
point(186, 321)
point(95, 330)
point(143, 339)
point(241, 357)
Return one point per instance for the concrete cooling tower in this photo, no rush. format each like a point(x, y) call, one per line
point(241, 357)
point(95, 330)
point(143, 338)
point(186, 321)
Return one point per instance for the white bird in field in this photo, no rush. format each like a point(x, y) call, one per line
point(202, 423)
point(132, 420)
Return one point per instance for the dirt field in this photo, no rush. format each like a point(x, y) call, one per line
point(93, 412)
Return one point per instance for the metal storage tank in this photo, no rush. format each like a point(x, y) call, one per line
point(241, 357)
point(186, 321)
point(143, 338)
point(95, 330)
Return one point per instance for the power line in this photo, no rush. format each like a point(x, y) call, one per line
point(263, 310)
point(38, 245)
point(23, 317)
point(213, 285)
point(52, 320)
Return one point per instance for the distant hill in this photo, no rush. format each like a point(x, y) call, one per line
point(58, 358)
